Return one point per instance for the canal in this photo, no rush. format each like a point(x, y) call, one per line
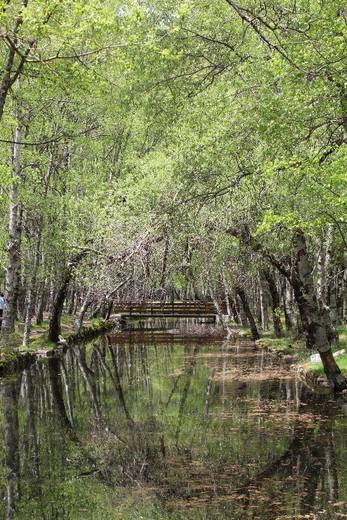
point(170, 424)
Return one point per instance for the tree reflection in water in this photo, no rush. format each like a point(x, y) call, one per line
point(10, 393)
point(215, 428)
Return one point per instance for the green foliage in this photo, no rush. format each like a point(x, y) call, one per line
point(160, 127)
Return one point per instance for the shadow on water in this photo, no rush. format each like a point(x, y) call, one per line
point(161, 428)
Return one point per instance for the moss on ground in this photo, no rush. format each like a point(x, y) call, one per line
point(7, 356)
point(240, 329)
point(39, 337)
point(288, 344)
point(39, 342)
point(285, 345)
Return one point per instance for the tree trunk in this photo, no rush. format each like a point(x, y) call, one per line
point(109, 310)
point(234, 311)
point(287, 299)
point(220, 313)
point(333, 312)
point(13, 247)
point(242, 295)
point(31, 295)
point(20, 283)
point(263, 304)
point(107, 298)
point(58, 302)
point(226, 295)
point(275, 302)
point(72, 302)
point(79, 320)
point(321, 279)
point(40, 306)
point(164, 264)
point(315, 320)
point(241, 312)
point(344, 297)
point(327, 264)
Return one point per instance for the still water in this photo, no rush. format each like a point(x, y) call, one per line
point(164, 426)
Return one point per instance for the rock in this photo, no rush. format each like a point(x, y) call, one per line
point(339, 353)
point(290, 358)
point(315, 358)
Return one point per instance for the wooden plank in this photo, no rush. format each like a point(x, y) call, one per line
point(166, 309)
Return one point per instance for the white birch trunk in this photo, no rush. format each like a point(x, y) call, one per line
point(13, 246)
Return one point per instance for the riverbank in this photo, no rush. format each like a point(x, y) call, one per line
point(289, 345)
point(16, 356)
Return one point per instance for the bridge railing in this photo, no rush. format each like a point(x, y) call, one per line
point(166, 308)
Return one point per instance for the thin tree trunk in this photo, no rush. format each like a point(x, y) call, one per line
point(58, 303)
point(275, 303)
point(287, 304)
point(13, 252)
point(242, 295)
point(41, 305)
point(12, 68)
point(234, 311)
point(72, 302)
point(226, 295)
point(107, 298)
point(263, 304)
point(31, 296)
point(327, 264)
point(164, 264)
point(220, 312)
point(109, 310)
point(79, 320)
point(241, 312)
point(333, 311)
point(20, 282)
point(321, 279)
point(344, 297)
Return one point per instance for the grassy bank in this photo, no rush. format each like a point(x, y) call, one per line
point(317, 368)
point(39, 333)
point(14, 356)
point(288, 344)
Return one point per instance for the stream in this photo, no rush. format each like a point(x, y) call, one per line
point(162, 423)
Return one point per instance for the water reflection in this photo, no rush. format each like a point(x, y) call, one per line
point(169, 430)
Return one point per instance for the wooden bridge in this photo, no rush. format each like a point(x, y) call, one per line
point(178, 309)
